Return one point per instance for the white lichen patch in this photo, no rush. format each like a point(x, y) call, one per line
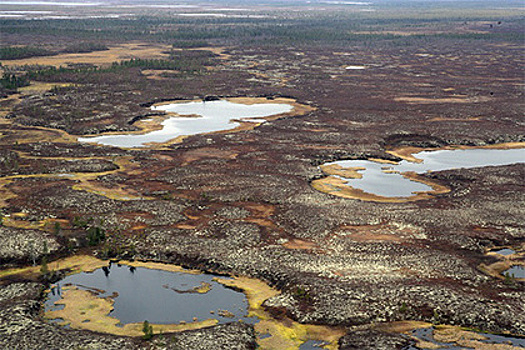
point(25, 244)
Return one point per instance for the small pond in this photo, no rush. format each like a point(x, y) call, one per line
point(118, 298)
point(517, 271)
point(195, 118)
point(386, 180)
point(504, 251)
point(312, 345)
point(161, 297)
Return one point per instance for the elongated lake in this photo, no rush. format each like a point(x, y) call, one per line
point(387, 180)
point(193, 118)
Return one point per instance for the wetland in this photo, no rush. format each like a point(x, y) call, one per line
point(393, 180)
point(108, 154)
point(157, 296)
point(193, 118)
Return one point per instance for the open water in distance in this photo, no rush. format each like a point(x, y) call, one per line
point(386, 179)
point(205, 117)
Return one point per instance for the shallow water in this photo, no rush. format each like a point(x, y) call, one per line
point(161, 297)
point(427, 335)
point(504, 251)
point(205, 117)
point(517, 271)
point(312, 345)
point(376, 181)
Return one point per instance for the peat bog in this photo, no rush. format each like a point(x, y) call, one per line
point(355, 85)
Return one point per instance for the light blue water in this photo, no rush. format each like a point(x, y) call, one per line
point(205, 117)
point(376, 181)
point(504, 251)
point(517, 271)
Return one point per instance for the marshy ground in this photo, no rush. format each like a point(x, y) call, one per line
point(359, 274)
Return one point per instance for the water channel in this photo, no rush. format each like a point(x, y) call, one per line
point(191, 118)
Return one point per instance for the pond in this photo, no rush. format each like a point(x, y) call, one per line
point(388, 180)
point(191, 118)
point(468, 339)
point(515, 271)
point(161, 297)
point(117, 299)
point(504, 251)
point(313, 345)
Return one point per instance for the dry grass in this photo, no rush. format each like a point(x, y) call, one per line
point(160, 266)
point(496, 269)
point(299, 244)
point(85, 181)
point(75, 264)
point(35, 88)
point(84, 310)
point(407, 153)
point(88, 181)
point(467, 339)
point(98, 58)
point(157, 74)
point(401, 326)
point(430, 100)
point(33, 134)
point(383, 161)
point(349, 173)
point(444, 334)
point(446, 119)
point(285, 333)
point(337, 187)
point(206, 153)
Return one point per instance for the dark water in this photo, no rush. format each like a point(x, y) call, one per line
point(158, 296)
point(312, 345)
point(427, 335)
point(376, 181)
point(517, 271)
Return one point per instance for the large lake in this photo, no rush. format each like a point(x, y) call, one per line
point(195, 118)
